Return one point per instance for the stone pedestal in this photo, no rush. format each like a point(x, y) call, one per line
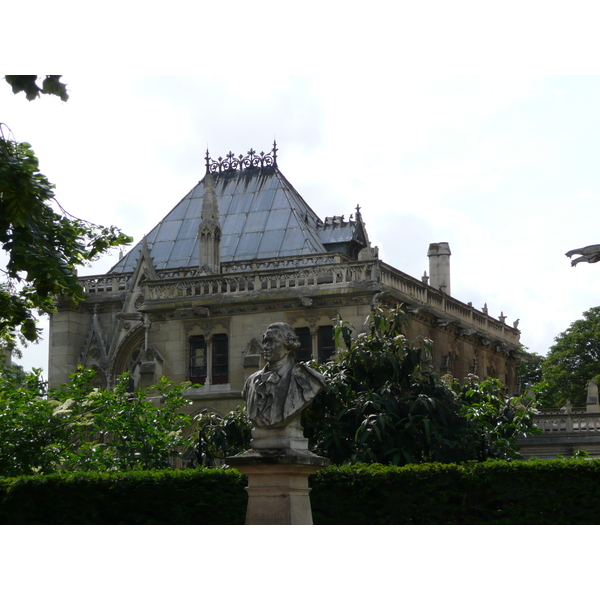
point(278, 492)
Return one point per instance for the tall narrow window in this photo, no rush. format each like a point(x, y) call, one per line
point(326, 343)
point(305, 352)
point(197, 359)
point(220, 358)
point(209, 357)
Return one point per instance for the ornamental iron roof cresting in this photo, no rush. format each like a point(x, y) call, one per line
point(252, 160)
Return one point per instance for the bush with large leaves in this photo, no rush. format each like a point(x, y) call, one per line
point(382, 405)
point(215, 437)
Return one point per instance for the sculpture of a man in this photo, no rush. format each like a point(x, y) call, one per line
point(278, 393)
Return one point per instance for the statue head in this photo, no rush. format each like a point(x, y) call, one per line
point(279, 342)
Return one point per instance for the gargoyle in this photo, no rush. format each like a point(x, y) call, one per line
point(589, 254)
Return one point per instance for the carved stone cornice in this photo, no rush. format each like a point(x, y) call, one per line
point(206, 326)
point(312, 317)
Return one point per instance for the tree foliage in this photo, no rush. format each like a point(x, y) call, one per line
point(77, 427)
point(530, 369)
point(51, 84)
point(573, 361)
point(216, 437)
point(382, 405)
point(43, 246)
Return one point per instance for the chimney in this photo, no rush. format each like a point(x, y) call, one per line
point(439, 266)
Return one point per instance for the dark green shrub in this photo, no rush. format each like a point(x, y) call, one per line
point(537, 492)
point(168, 497)
point(560, 492)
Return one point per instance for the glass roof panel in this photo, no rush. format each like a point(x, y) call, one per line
point(240, 204)
point(189, 229)
point(169, 230)
point(179, 211)
point(278, 219)
point(248, 245)
point(160, 252)
point(233, 223)
point(280, 200)
point(256, 221)
point(270, 245)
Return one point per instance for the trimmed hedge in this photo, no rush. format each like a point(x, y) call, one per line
point(533, 493)
point(540, 492)
point(192, 497)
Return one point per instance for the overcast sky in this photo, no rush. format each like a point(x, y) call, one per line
point(503, 167)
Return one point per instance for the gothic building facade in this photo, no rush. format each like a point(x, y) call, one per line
point(240, 251)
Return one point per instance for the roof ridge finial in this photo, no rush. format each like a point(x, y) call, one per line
point(207, 160)
point(274, 152)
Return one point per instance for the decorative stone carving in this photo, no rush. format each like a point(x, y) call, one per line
point(589, 254)
point(206, 326)
point(95, 354)
point(139, 301)
point(252, 353)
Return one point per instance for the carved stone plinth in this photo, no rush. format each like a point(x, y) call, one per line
point(278, 492)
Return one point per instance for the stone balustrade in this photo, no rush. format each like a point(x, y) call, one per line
point(565, 422)
point(314, 271)
point(283, 263)
point(313, 276)
point(424, 296)
point(94, 284)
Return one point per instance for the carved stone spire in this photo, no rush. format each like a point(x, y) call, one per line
point(209, 232)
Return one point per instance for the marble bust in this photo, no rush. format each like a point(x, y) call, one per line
point(277, 394)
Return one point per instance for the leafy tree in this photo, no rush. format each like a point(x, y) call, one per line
point(78, 427)
point(381, 405)
point(216, 437)
point(43, 246)
point(494, 420)
point(31, 437)
point(573, 361)
point(116, 430)
point(530, 369)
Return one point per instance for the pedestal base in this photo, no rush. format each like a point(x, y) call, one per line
point(278, 492)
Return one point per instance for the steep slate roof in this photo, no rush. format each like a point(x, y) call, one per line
point(261, 216)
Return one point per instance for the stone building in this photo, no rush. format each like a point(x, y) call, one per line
point(240, 251)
